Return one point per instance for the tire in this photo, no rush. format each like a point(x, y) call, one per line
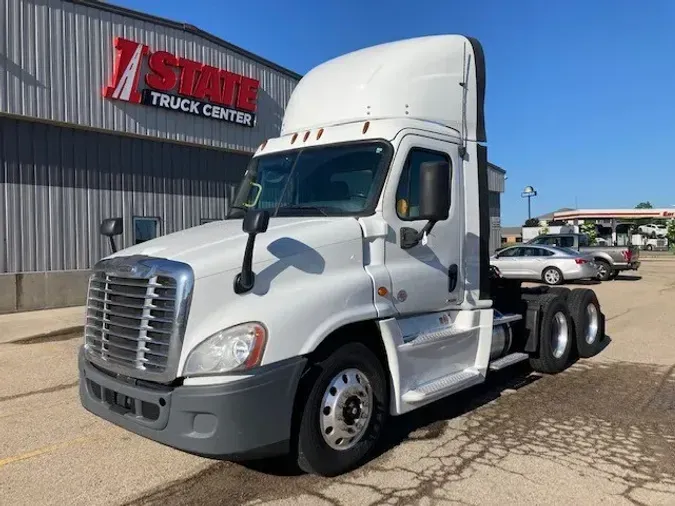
point(314, 453)
point(552, 276)
point(585, 313)
point(614, 274)
point(604, 270)
point(556, 336)
point(649, 247)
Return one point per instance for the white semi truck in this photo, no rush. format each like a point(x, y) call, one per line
point(350, 283)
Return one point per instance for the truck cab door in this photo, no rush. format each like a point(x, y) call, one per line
point(429, 276)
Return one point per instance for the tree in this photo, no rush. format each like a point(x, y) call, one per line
point(670, 233)
point(591, 231)
point(532, 222)
point(544, 230)
point(643, 205)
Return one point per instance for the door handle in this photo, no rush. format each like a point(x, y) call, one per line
point(452, 277)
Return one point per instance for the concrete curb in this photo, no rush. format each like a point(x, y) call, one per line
point(54, 335)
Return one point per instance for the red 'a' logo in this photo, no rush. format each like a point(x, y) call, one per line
point(128, 62)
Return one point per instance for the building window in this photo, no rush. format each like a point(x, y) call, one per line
point(145, 229)
point(408, 191)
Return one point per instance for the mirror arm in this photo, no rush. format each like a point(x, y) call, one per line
point(427, 229)
point(410, 237)
point(244, 281)
point(113, 246)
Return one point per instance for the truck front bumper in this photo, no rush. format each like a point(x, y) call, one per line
point(245, 419)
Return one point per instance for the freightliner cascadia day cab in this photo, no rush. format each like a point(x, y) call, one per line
point(349, 283)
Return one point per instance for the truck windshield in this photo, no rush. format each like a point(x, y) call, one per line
point(336, 180)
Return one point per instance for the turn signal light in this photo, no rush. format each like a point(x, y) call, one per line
point(293, 139)
point(580, 261)
point(306, 136)
point(319, 134)
point(382, 291)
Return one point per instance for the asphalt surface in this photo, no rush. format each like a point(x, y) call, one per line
point(602, 432)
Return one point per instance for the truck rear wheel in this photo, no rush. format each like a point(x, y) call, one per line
point(556, 335)
point(585, 313)
point(604, 270)
point(347, 405)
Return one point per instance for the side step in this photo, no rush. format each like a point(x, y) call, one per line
point(508, 360)
point(501, 319)
point(443, 386)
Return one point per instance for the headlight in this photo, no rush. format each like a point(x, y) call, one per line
point(237, 348)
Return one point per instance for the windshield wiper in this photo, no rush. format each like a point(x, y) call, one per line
point(311, 208)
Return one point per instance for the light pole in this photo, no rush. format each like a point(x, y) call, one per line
point(528, 193)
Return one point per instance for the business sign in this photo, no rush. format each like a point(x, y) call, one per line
point(180, 84)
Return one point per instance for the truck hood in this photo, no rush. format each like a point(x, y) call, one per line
point(219, 246)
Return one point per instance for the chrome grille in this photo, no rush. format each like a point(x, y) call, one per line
point(136, 311)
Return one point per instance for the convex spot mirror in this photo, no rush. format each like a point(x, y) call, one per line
point(434, 191)
point(111, 227)
point(256, 221)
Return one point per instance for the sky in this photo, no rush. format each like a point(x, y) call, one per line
point(580, 96)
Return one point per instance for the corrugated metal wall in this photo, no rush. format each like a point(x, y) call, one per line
point(57, 184)
point(494, 199)
point(496, 180)
point(57, 56)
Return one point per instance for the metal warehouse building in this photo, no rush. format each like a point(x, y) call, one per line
point(108, 112)
point(87, 132)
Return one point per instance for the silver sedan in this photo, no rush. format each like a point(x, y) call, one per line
point(551, 264)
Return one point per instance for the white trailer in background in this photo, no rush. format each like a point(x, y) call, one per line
point(350, 283)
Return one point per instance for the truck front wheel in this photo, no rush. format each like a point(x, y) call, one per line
point(343, 416)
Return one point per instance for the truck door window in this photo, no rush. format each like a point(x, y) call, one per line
point(583, 241)
point(408, 191)
point(566, 242)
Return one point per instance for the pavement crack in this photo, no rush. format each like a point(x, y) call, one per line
point(48, 390)
point(624, 313)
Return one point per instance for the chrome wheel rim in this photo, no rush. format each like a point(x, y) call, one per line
point(346, 409)
point(559, 334)
point(552, 276)
point(593, 323)
point(602, 270)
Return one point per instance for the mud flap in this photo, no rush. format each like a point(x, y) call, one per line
point(532, 319)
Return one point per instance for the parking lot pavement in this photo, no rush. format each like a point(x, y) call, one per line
point(602, 432)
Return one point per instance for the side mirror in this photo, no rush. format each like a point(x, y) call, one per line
point(434, 191)
point(110, 228)
point(255, 222)
point(434, 201)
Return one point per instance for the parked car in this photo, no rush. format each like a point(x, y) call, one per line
point(610, 259)
point(653, 230)
point(550, 264)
